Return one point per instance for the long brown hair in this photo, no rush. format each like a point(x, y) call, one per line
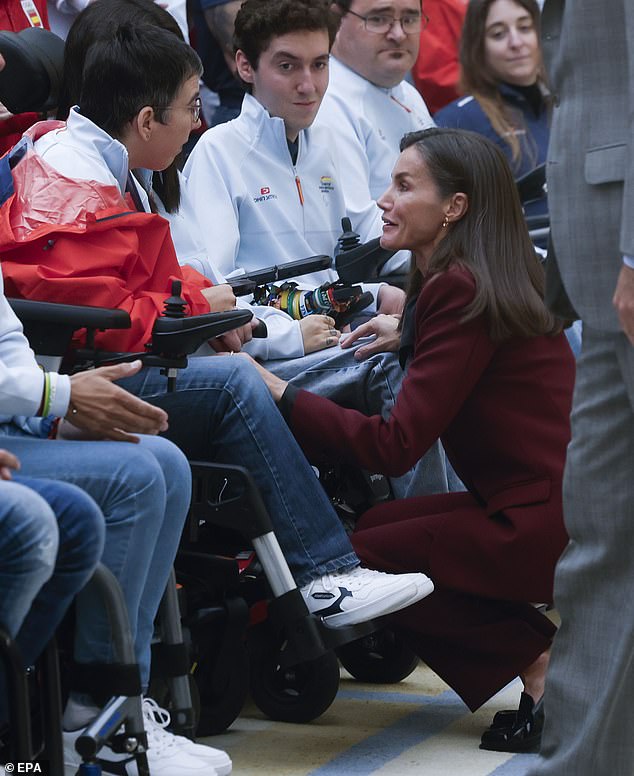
point(477, 80)
point(491, 238)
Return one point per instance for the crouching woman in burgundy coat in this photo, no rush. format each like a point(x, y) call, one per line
point(489, 372)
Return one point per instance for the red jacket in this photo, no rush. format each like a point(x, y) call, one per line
point(15, 16)
point(501, 410)
point(81, 242)
point(437, 69)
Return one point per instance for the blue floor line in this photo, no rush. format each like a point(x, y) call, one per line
point(436, 713)
point(516, 766)
point(394, 697)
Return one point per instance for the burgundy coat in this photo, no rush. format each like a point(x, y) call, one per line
point(502, 412)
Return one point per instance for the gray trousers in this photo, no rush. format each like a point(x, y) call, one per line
point(589, 699)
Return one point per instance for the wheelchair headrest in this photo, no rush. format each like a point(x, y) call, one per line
point(32, 74)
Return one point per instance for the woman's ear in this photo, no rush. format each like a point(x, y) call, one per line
point(243, 67)
point(457, 206)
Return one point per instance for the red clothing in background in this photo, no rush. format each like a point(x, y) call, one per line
point(16, 15)
point(436, 71)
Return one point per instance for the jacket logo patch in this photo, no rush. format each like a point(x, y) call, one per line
point(326, 185)
point(265, 194)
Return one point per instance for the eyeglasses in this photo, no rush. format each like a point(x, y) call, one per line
point(194, 109)
point(380, 24)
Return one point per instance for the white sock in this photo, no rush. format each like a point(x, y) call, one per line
point(80, 711)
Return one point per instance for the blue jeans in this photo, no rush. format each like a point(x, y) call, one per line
point(143, 491)
point(28, 548)
point(369, 386)
point(223, 412)
point(51, 539)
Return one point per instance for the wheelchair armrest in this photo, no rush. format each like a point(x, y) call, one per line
point(242, 286)
point(362, 263)
point(49, 326)
point(532, 185)
point(177, 337)
point(283, 271)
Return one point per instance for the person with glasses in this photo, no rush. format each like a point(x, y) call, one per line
point(369, 104)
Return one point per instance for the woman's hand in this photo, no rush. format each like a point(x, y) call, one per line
point(103, 410)
point(318, 332)
point(384, 329)
point(8, 461)
point(275, 384)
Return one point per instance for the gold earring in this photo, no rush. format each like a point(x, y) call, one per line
point(445, 222)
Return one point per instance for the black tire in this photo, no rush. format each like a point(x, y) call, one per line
point(378, 658)
point(300, 693)
point(223, 694)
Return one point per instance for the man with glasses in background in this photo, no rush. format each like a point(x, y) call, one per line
point(368, 104)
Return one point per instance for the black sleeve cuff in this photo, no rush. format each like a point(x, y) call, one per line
point(287, 402)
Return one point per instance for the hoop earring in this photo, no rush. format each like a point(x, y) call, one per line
point(445, 222)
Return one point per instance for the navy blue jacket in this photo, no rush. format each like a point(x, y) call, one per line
point(466, 113)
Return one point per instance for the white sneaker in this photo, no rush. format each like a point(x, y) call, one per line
point(358, 594)
point(158, 719)
point(165, 758)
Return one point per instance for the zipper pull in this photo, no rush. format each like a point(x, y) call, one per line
point(298, 183)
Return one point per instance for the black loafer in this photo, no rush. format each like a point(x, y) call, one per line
point(519, 731)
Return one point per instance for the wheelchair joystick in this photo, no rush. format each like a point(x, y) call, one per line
point(347, 239)
point(174, 305)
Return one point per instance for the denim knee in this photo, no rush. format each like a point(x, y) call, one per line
point(82, 530)
point(29, 527)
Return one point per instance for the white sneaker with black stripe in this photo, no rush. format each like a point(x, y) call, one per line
point(157, 719)
point(165, 757)
point(356, 595)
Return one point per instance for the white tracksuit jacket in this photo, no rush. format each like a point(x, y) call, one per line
point(254, 208)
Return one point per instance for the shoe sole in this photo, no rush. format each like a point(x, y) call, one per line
point(390, 603)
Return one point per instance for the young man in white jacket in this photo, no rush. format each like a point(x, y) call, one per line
point(369, 104)
point(267, 187)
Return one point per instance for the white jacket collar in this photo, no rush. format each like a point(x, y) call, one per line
point(260, 123)
point(89, 136)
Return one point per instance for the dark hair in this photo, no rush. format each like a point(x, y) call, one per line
point(476, 78)
point(491, 239)
point(99, 21)
point(137, 66)
point(259, 21)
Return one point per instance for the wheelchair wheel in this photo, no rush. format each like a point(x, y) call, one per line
point(299, 693)
point(222, 692)
point(378, 658)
